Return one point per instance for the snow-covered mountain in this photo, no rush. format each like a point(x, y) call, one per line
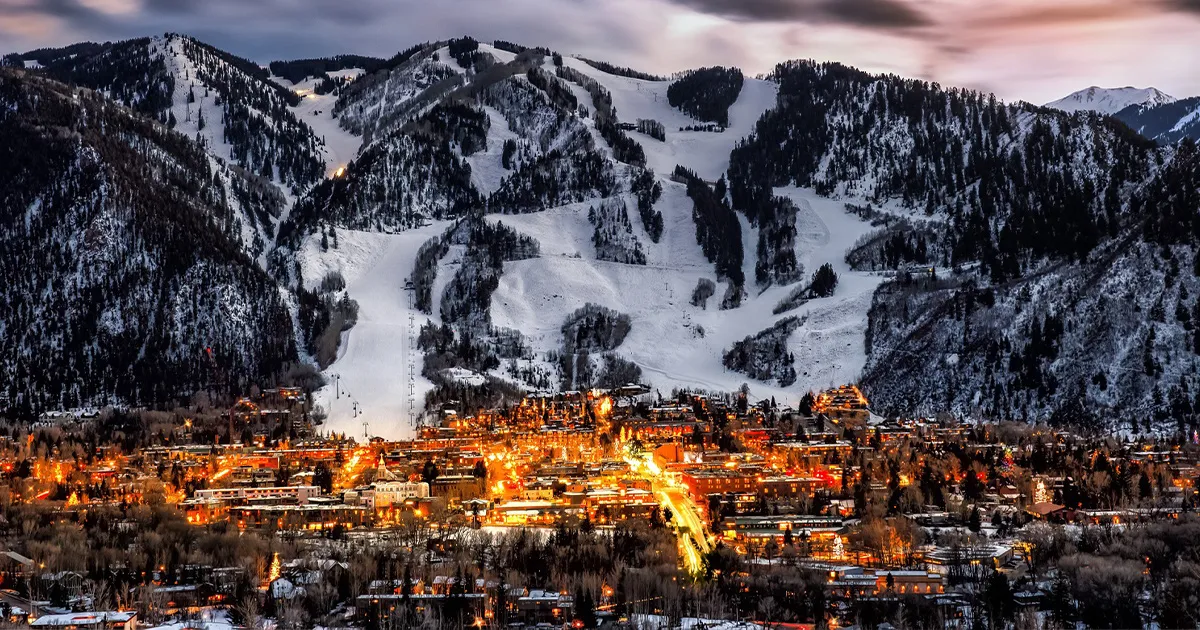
point(1166, 123)
point(1110, 100)
point(495, 218)
point(123, 278)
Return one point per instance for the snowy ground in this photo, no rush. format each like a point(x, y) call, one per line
point(373, 357)
point(659, 622)
point(206, 618)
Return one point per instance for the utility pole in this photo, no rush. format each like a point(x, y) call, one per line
point(410, 354)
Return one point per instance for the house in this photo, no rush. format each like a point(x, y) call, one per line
point(545, 607)
point(1045, 510)
point(14, 567)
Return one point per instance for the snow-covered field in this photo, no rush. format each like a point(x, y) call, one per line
point(487, 166)
point(372, 360)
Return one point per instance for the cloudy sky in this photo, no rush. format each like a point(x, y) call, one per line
point(1035, 50)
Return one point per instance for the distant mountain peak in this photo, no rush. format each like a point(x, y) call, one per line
point(1110, 100)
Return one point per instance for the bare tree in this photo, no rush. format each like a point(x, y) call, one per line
point(248, 610)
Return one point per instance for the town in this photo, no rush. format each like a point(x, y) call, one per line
point(599, 508)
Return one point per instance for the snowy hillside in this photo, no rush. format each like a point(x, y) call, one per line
point(230, 107)
point(676, 344)
point(338, 145)
point(705, 152)
point(1110, 100)
point(124, 279)
point(1166, 123)
point(372, 363)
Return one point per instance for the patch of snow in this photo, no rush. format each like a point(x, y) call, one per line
point(487, 166)
point(1186, 120)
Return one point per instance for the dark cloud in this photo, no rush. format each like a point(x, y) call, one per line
point(882, 14)
point(265, 30)
point(1191, 6)
point(171, 7)
point(875, 14)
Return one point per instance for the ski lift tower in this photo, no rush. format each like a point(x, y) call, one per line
point(409, 353)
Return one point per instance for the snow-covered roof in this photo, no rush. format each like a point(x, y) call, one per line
point(82, 619)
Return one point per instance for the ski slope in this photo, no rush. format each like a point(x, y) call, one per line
point(704, 152)
point(372, 359)
point(535, 296)
point(316, 110)
point(677, 345)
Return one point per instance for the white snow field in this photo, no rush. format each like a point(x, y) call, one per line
point(372, 360)
point(535, 296)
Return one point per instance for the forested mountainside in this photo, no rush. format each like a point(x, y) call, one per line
point(1056, 266)
point(298, 70)
point(120, 280)
point(419, 171)
point(1165, 123)
point(707, 93)
point(386, 98)
point(228, 103)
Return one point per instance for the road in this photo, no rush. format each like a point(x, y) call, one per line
point(693, 535)
point(14, 600)
point(689, 525)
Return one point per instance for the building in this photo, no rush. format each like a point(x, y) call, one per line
point(852, 582)
point(111, 620)
point(378, 610)
point(295, 494)
point(702, 483)
point(821, 531)
point(790, 486)
point(532, 513)
point(545, 607)
point(459, 487)
point(387, 493)
point(843, 403)
point(315, 516)
point(204, 511)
